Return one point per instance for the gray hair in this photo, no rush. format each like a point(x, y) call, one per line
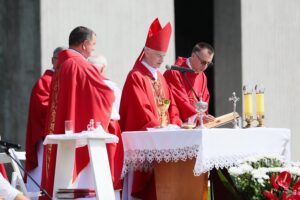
point(57, 50)
point(98, 60)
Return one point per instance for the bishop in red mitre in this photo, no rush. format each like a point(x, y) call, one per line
point(145, 88)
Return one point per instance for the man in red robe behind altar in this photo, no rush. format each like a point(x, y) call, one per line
point(144, 91)
point(115, 151)
point(78, 93)
point(38, 106)
point(183, 84)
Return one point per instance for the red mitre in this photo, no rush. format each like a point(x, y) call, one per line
point(158, 38)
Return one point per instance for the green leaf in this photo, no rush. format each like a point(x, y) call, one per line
point(228, 185)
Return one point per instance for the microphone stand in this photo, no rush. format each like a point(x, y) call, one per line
point(190, 85)
point(200, 105)
point(43, 191)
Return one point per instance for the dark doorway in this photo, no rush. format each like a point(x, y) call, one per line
point(194, 23)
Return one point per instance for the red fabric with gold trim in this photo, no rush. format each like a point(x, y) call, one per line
point(78, 93)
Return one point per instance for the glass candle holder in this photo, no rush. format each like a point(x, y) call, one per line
point(260, 104)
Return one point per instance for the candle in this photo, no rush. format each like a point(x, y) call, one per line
point(248, 104)
point(260, 108)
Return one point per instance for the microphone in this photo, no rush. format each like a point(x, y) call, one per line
point(9, 145)
point(181, 69)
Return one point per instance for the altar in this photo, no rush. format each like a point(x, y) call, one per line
point(210, 148)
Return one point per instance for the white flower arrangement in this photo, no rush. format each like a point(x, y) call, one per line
point(252, 177)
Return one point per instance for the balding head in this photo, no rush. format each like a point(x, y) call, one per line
point(55, 54)
point(99, 61)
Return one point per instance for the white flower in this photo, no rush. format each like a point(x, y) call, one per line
point(261, 182)
point(235, 171)
point(260, 173)
point(246, 168)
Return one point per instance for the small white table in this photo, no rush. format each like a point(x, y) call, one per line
point(66, 145)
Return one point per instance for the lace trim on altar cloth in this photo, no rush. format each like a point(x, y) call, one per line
point(142, 159)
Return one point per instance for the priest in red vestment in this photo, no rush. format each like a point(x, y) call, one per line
point(144, 91)
point(115, 150)
point(183, 84)
point(38, 106)
point(78, 93)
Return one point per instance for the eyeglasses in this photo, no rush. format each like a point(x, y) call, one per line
point(203, 62)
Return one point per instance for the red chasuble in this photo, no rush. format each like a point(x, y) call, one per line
point(2, 171)
point(78, 93)
point(115, 155)
point(38, 106)
point(139, 111)
point(182, 92)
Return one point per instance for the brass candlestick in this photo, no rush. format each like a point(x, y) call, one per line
point(163, 108)
point(247, 90)
point(260, 108)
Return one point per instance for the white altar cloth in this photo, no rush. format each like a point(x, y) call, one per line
point(211, 147)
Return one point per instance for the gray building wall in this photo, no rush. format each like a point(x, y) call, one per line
point(19, 64)
point(271, 47)
point(257, 42)
point(121, 28)
point(228, 59)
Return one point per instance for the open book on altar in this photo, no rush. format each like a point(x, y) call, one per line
point(224, 119)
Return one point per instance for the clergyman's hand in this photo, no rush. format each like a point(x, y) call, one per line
point(208, 118)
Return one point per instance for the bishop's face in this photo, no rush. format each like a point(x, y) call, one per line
point(154, 58)
point(201, 60)
point(88, 46)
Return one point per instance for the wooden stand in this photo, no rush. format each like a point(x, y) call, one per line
point(176, 181)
